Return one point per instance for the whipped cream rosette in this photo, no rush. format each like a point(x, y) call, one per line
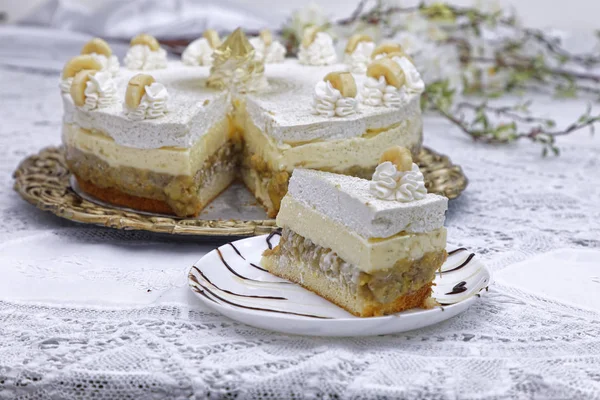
point(397, 178)
point(101, 52)
point(317, 48)
point(357, 54)
point(383, 85)
point(145, 53)
point(75, 65)
point(200, 51)
point(360, 58)
point(145, 98)
point(335, 95)
point(266, 49)
point(390, 80)
point(93, 89)
point(413, 83)
point(386, 49)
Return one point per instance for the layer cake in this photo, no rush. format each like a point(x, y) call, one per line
point(184, 139)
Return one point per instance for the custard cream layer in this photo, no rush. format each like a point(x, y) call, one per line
point(369, 255)
point(168, 160)
point(337, 155)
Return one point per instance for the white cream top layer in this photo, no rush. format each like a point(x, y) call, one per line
point(348, 201)
point(283, 111)
point(193, 109)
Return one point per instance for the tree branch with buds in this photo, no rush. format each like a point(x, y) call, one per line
point(501, 125)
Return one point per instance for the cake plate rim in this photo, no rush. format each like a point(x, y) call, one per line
point(43, 180)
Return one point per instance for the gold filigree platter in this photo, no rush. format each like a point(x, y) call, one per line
point(43, 180)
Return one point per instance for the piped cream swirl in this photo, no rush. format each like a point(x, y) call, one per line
point(110, 64)
point(376, 93)
point(390, 184)
point(412, 79)
point(199, 52)
point(320, 52)
point(141, 57)
point(100, 91)
point(329, 102)
point(153, 103)
point(360, 57)
point(271, 54)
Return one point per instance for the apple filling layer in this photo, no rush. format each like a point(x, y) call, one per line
point(380, 287)
point(183, 193)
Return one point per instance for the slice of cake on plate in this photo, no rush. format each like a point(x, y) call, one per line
point(371, 247)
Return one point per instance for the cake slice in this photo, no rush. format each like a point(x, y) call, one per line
point(371, 247)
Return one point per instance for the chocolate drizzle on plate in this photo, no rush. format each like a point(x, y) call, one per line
point(196, 289)
point(216, 296)
point(236, 250)
point(239, 253)
point(456, 250)
point(464, 264)
point(259, 268)
point(229, 291)
point(245, 277)
point(232, 270)
point(275, 232)
point(458, 288)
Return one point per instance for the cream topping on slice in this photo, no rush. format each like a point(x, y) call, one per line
point(349, 201)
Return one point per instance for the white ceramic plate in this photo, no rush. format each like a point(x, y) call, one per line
point(230, 280)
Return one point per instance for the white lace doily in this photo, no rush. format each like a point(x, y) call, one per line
point(87, 312)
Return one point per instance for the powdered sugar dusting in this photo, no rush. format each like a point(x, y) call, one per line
point(283, 111)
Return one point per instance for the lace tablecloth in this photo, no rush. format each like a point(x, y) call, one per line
point(87, 312)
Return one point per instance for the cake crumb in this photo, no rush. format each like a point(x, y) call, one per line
point(430, 303)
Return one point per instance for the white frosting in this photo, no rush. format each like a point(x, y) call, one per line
point(376, 93)
point(197, 53)
point(329, 102)
point(110, 64)
point(65, 85)
point(349, 201)
point(273, 53)
point(390, 184)
point(412, 79)
point(69, 108)
point(153, 103)
point(360, 57)
point(100, 91)
point(140, 57)
point(373, 89)
point(283, 112)
point(320, 52)
point(393, 97)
